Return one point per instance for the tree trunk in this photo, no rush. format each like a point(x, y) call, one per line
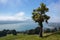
point(41, 29)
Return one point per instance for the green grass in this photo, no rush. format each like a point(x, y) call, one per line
point(48, 36)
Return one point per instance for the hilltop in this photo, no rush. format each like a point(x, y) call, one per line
point(48, 36)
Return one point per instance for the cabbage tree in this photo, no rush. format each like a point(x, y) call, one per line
point(39, 16)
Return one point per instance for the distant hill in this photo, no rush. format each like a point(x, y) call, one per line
point(12, 22)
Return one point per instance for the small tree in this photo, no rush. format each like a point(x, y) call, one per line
point(37, 30)
point(59, 28)
point(14, 32)
point(47, 30)
point(40, 16)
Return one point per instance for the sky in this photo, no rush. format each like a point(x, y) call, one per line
point(20, 10)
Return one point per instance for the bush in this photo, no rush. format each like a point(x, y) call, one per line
point(47, 30)
point(14, 32)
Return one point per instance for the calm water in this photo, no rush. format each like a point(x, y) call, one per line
point(20, 26)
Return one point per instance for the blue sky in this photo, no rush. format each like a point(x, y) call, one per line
point(22, 9)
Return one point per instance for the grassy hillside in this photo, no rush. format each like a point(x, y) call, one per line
point(55, 36)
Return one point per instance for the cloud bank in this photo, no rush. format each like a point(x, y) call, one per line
point(17, 17)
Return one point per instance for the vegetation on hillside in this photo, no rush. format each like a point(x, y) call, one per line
point(55, 36)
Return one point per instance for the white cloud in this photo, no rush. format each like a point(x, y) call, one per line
point(11, 3)
point(3, 1)
point(54, 12)
point(20, 14)
point(17, 17)
point(54, 19)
